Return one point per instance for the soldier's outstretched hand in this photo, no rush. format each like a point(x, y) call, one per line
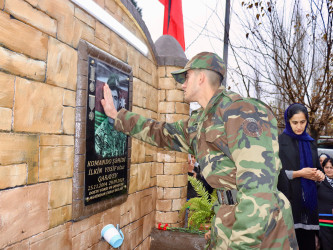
point(107, 102)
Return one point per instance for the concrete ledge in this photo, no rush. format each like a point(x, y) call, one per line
point(176, 240)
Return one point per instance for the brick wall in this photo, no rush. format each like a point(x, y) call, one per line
point(38, 75)
point(172, 171)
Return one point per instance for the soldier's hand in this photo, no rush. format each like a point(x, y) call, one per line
point(207, 235)
point(107, 102)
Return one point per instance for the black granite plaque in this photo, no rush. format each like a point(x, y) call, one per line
point(106, 148)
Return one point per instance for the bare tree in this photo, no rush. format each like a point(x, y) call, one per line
point(290, 54)
point(281, 52)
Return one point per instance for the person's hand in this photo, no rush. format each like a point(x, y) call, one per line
point(107, 102)
point(307, 173)
point(207, 235)
point(320, 176)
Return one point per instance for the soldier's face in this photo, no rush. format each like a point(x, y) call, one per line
point(298, 123)
point(191, 86)
point(115, 98)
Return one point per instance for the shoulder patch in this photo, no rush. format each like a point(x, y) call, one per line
point(251, 127)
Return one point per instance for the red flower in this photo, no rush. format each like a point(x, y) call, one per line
point(159, 226)
point(165, 227)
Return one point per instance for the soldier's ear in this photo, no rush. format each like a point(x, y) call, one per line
point(202, 77)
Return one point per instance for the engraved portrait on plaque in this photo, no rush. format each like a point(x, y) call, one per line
point(106, 155)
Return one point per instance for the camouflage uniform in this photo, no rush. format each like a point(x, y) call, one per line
point(109, 142)
point(235, 142)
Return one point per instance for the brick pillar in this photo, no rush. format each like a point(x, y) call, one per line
point(172, 171)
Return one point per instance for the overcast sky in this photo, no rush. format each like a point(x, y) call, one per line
point(201, 19)
point(195, 15)
point(198, 16)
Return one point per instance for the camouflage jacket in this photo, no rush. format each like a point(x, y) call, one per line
point(234, 139)
point(109, 142)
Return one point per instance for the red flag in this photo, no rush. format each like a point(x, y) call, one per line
point(173, 20)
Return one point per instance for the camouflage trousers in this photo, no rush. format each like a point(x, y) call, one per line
point(277, 229)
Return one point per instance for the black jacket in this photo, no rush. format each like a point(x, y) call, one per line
point(325, 206)
point(325, 197)
point(292, 189)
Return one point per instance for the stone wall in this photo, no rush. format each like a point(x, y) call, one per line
point(38, 76)
point(172, 173)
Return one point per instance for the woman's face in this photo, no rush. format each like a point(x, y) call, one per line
point(328, 169)
point(298, 123)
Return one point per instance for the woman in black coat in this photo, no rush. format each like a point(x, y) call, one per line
point(325, 206)
point(300, 171)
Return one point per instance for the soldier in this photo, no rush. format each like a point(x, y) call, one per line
point(108, 141)
point(234, 140)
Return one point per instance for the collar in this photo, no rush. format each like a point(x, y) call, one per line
point(216, 97)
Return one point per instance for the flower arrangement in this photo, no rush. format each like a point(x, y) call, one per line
point(162, 228)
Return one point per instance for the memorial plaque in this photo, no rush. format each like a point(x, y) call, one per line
point(106, 148)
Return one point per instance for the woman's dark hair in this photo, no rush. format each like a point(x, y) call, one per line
point(328, 159)
point(296, 109)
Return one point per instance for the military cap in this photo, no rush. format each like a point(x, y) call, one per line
point(203, 60)
point(113, 81)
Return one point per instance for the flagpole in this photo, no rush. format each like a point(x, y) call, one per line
point(226, 39)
